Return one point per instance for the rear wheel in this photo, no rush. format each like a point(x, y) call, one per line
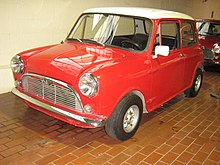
point(125, 119)
point(197, 83)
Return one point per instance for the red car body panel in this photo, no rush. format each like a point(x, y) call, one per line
point(208, 41)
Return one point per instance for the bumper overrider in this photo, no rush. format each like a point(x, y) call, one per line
point(77, 118)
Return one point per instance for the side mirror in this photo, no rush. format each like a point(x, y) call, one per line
point(161, 50)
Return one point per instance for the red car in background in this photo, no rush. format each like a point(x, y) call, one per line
point(209, 38)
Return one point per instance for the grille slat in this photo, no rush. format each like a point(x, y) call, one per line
point(49, 90)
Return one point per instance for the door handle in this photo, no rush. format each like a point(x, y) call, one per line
point(182, 55)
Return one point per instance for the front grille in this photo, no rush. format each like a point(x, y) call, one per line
point(208, 54)
point(51, 90)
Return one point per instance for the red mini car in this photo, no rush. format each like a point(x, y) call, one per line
point(115, 65)
point(209, 37)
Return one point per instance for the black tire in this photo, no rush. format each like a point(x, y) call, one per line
point(197, 83)
point(125, 120)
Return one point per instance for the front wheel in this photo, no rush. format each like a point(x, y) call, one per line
point(125, 119)
point(197, 83)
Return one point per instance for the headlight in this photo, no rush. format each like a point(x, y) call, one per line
point(17, 64)
point(216, 48)
point(88, 85)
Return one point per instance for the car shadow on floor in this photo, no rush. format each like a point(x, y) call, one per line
point(42, 130)
point(51, 131)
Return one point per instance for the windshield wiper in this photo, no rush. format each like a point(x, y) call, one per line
point(93, 41)
point(73, 39)
point(86, 40)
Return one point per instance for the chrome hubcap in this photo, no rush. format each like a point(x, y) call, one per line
point(198, 82)
point(131, 118)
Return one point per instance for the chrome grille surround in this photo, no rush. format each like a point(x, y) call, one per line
point(52, 90)
point(208, 54)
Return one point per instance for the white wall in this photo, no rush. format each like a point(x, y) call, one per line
point(26, 24)
point(204, 8)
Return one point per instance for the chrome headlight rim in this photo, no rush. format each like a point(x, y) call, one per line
point(88, 85)
point(17, 64)
point(216, 48)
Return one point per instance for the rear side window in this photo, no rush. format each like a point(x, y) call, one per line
point(188, 34)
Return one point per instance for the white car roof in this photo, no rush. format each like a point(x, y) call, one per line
point(140, 12)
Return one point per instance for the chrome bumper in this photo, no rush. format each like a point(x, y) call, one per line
point(211, 62)
point(94, 123)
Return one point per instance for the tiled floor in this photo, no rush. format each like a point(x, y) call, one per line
point(182, 131)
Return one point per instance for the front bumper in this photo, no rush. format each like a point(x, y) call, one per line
point(211, 62)
point(210, 58)
point(77, 118)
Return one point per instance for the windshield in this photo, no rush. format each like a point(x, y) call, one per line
point(112, 30)
point(209, 28)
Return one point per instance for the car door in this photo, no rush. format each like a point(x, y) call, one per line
point(168, 71)
point(190, 50)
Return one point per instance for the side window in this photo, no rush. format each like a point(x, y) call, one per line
point(168, 35)
point(188, 34)
point(132, 33)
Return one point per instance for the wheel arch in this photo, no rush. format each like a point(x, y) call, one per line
point(196, 84)
point(117, 124)
point(199, 66)
point(137, 93)
point(141, 96)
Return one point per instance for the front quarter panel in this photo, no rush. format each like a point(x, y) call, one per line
point(121, 77)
